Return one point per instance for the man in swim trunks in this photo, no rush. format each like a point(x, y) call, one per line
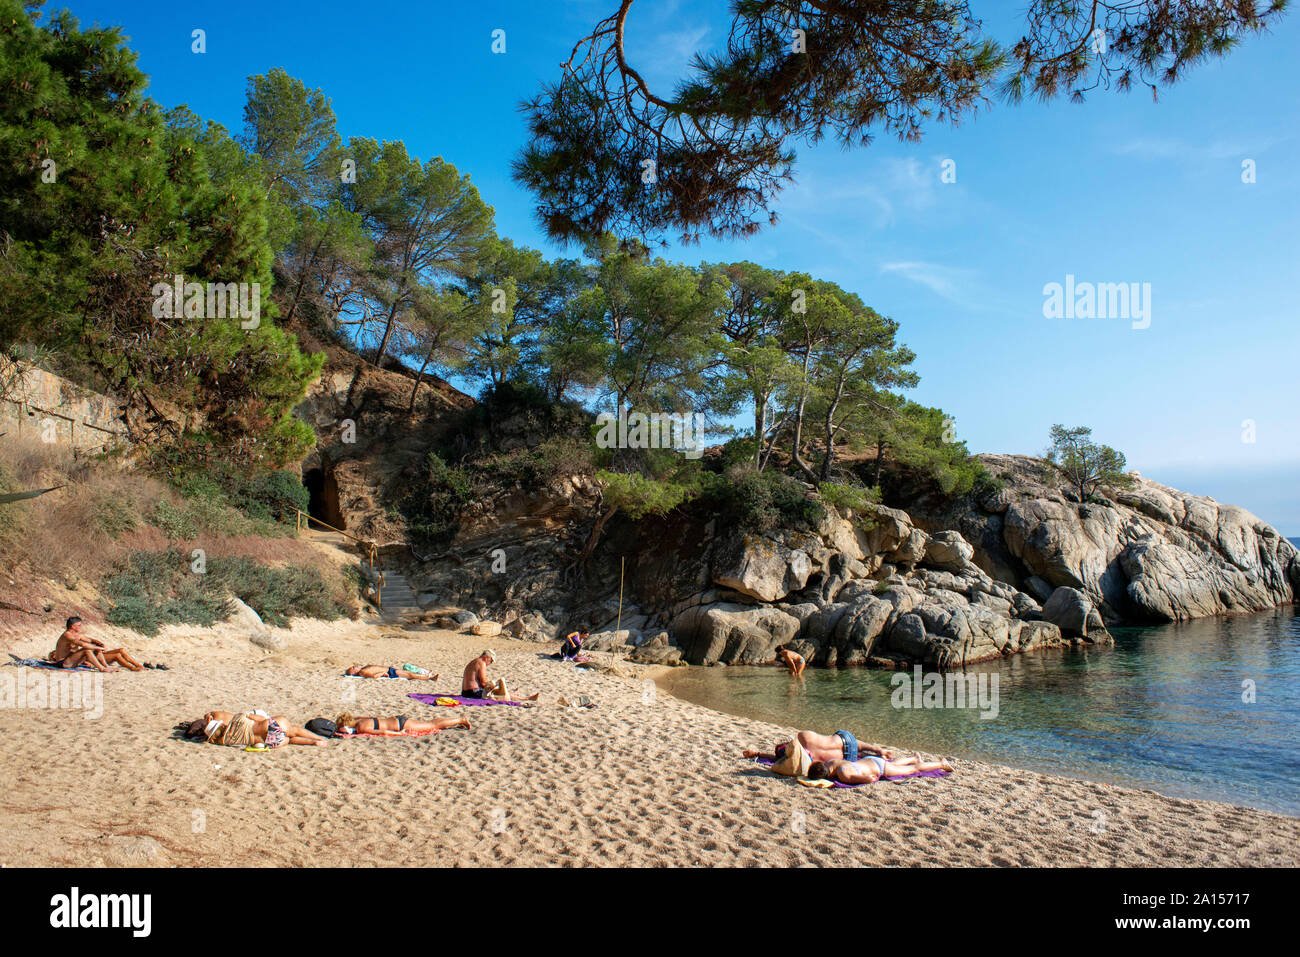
point(380, 671)
point(795, 664)
point(872, 768)
point(475, 683)
point(839, 746)
point(76, 648)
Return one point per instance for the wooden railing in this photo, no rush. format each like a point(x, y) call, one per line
point(368, 548)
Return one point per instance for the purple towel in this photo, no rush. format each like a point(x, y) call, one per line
point(936, 773)
point(469, 702)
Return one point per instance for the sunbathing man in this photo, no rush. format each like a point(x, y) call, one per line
point(254, 728)
point(795, 664)
point(872, 768)
point(475, 684)
point(827, 747)
point(379, 671)
point(74, 648)
point(399, 725)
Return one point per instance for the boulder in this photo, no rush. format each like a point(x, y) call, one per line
point(485, 629)
point(907, 637)
point(760, 567)
point(948, 550)
point(532, 626)
point(1072, 611)
point(243, 616)
point(731, 633)
point(269, 640)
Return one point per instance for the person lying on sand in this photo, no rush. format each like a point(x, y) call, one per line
point(475, 684)
point(795, 664)
point(380, 671)
point(872, 768)
point(76, 648)
point(398, 725)
point(826, 747)
point(255, 727)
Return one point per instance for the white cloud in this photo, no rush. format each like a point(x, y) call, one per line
point(950, 282)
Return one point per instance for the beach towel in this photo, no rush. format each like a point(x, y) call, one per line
point(936, 773)
point(432, 699)
point(42, 663)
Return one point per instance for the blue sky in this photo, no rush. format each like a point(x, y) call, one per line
point(1119, 189)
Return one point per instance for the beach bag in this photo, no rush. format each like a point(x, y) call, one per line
point(322, 726)
point(792, 760)
point(486, 629)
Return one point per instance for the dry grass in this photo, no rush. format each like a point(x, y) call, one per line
point(104, 513)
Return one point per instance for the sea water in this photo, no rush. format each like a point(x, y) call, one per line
point(1206, 709)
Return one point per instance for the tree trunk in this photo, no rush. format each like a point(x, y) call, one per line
point(594, 539)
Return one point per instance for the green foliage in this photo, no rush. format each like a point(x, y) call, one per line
point(266, 498)
point(760, 501)
point(854, 497)
point(637, 495)
point(104, 199)
point(433, 502)
point(151, 589)
point(1085, 465)
point(724, 135)
point(115, 516)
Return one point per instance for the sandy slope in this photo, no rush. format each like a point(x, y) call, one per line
point(643, 779)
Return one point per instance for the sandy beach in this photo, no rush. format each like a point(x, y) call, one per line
point(643, 779)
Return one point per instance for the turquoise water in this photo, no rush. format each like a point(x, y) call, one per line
point(1163, 709)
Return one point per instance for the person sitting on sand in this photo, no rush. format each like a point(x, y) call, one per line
point(253, 728)
point(826, 747)
point(872, 768)
point(379, 671)
point(475, 683)
point(398, 725)
point(76, 648)
point(794, 663)
point(572, 644)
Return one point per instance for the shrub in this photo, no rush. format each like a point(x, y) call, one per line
point(759, 501)
point(151, 589)
point(638, 496)
point(856, 497)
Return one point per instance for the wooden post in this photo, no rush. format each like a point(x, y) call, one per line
point(622, 563)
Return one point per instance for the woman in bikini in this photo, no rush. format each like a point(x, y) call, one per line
point(398, 725)
point(872, 768)
point(255, 727)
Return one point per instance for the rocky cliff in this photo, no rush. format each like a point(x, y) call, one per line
point(1016, 567)
point(1146, 554)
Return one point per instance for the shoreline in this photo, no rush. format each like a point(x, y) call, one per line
point(643, 779)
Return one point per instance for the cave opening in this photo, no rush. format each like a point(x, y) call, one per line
point(323, 490)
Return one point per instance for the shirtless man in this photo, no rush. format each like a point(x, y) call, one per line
point(839, 746)
point(872, 768)
point(379, 671)
point(75, 648)
point(475, 683)
point(795, 664)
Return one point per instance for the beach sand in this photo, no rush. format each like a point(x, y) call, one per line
point(642, 779)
